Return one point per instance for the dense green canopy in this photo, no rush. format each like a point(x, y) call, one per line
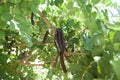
point(91, 29)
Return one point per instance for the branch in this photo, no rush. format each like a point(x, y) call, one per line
point(31, 55)
point(74, 54)
point(25, 59)
point(46, 21)
point(30, 64)
point(25, 62)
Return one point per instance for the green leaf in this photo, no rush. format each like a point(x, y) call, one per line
point(3, 59)
point(97, 51)
point(117, 24)
point(3, 74)
point(24, 8)
point(2, 24)
point(104, 64)
point(6, 16)
point(116, 46)
point(25, 29)
point(88, 76)
point(116, 38)
point(99, 43)
point(23, 25)
point(4, 8)
point(71, 9)
point(87, 43)
point(70, 5)
point(21, 20)
point(89, 8)
point(94, 14)
point(52, 3)
point(16, 11)
point(116, 64)
point(75, 68)
point(33, 5)
point(98, 40)
point(27, 39)
point(105, 13)
point(71, 33)
point(92, 24)
point(71, 23)
point(106, 1)
point(58, 2)
point(14, 1)
point(81, 2)
point(2, 35)
point(95, 1)
point(111, 34)
point(75, 40)
point(12, 56)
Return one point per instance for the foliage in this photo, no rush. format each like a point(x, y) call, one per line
point(91, 27)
